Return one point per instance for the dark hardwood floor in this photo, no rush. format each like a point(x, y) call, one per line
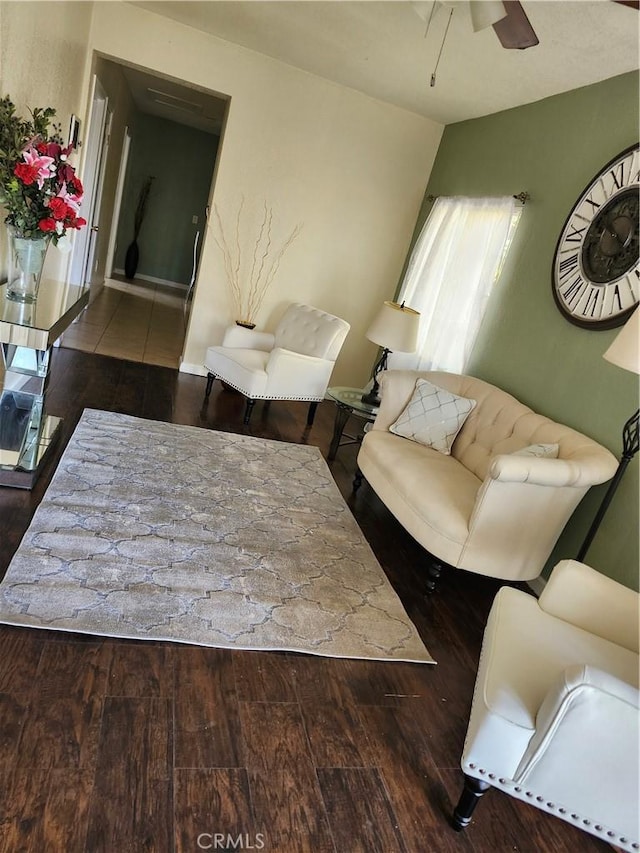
point(115, 746)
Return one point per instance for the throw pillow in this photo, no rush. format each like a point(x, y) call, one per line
point(543, 451)
point(433, 416)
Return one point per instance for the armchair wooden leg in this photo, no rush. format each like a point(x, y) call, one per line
point(312, 413)
point(357, 480)
point(247, 412)
point(207, 390)
point(471, 793)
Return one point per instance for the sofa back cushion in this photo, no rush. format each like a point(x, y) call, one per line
point(500, 423)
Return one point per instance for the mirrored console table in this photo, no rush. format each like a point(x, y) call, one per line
point(27, 334)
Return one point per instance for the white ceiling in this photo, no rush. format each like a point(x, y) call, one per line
point(380, 48)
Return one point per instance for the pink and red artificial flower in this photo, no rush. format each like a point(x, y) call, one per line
point(45, 161)
point(40, 167)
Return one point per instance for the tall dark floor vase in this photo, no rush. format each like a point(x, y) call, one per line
point(131, 260)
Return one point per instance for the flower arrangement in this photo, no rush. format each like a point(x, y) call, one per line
point(249, 284)
point(38, 186)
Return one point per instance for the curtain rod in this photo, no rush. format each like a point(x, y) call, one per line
point(521, 197)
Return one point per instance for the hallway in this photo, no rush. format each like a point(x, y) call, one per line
point(132, 320)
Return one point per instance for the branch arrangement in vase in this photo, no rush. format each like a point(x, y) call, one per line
point(132, 256)
point(249, 279)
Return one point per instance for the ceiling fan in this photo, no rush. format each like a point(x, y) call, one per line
point(507, 17)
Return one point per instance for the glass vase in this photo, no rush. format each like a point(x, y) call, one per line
point(25, 263)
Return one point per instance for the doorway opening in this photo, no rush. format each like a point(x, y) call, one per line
point(147, 131)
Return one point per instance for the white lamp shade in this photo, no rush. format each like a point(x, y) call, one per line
point(484, 13)
point(395, 327)
point(625, 349)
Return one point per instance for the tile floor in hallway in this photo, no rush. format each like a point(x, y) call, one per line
point(132, 320)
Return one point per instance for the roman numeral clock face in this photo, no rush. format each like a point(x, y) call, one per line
point(596, 269)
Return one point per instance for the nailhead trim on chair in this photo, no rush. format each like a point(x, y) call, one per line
point(607, 835)
point(315, 399)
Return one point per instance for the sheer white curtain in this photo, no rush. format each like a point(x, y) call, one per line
point(455, 261)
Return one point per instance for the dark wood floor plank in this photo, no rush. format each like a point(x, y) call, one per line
point(337, 737)
point(19, 659)
point(63, 725)
point(320, 680)
point(284, 786)
point(48, 811)
point(72, 669)
point(265, 676)
point(289, 813)
point(61, 734)
point(132, 802)
point(412, 780)
point(13, 713)
point(359, 811)
point(274, 736)
point(393, 683)
point(207, 714)
point(213, 807)
point(141, 669)
point(132, 388)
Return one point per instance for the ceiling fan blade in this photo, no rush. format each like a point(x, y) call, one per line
point(484, 13)
point(515, 31)
point(632, 4)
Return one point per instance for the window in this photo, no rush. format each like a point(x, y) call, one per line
point(455, 262)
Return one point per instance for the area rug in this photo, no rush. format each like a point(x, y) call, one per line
point(153, 531)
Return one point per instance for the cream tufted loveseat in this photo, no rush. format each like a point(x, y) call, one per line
point(481, 508)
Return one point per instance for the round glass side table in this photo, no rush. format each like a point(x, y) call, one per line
point(348, 402)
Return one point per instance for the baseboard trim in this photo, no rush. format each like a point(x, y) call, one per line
point(193, 369)
point(177, 284)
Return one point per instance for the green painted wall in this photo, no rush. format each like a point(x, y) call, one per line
point(181, 160)
point(552, 149)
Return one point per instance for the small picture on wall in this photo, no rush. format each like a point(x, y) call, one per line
point(74, 132)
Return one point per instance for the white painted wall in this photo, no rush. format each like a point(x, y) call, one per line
point(351, 169)
point(42, 64)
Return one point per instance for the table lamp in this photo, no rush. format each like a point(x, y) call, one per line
point(624, 352)
point(395, 329)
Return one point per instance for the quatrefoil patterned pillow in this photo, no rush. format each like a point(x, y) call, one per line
point(433, 416)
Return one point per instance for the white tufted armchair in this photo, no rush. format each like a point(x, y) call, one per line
point(555, 719)
point(293, 363)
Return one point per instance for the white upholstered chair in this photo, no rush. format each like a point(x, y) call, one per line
point(555, 719)
point(293, 363)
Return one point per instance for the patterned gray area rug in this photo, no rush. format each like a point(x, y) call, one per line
point(153, 531)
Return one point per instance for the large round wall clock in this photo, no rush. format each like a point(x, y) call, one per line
point(596, 266)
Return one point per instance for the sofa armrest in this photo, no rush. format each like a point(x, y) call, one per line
point(513, 527)
point(237, 337)
point(586, 712)
point(511, 468)
point(594, 602)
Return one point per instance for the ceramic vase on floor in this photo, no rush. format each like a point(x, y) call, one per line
point(25, 262)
